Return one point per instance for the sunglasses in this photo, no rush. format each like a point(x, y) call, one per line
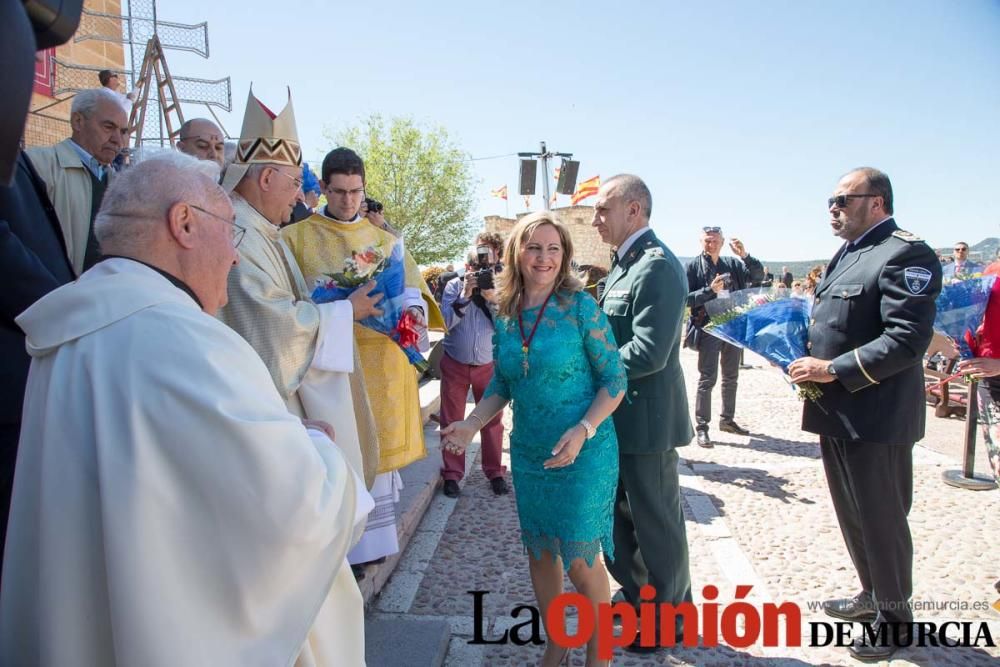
point(712, 230)
point(841, 200)
point(961, 250)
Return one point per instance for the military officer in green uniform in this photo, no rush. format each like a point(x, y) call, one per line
point(872, 322)
point(644, 298)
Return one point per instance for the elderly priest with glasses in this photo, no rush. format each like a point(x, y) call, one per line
point(167, 508)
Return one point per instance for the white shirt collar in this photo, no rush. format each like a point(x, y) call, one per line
point(357, 217)
point(89, 161)
point(623, 248)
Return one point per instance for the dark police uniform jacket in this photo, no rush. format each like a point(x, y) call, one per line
point(644, 297)
point(873, 317)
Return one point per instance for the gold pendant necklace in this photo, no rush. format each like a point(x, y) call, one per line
point(526, 340)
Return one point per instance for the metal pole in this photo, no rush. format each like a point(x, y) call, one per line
point(966, 478)
point(545, 177)
point(971, 419)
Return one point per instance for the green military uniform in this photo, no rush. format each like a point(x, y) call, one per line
point(644, 300)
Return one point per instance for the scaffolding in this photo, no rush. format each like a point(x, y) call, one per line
point(136, 29)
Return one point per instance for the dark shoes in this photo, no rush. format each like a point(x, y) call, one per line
point(499, 486)
point(889, 638)
point(704, 440)
point(861, 607)
point(729, 426)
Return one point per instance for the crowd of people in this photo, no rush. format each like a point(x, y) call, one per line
point(201, 450)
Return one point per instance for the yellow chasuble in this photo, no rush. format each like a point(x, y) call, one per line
point(321, 245)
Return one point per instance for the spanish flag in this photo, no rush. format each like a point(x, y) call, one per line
point(500, 192)
point(587, 188)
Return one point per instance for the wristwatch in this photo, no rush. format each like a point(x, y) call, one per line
point(591, 431)
point(830, 370)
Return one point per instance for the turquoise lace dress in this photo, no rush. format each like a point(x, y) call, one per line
point(567, 511)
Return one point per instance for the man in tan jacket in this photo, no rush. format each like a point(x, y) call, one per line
point(76, 170)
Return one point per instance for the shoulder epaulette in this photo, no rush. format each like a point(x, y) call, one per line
point(904, 235)
point(655, 252)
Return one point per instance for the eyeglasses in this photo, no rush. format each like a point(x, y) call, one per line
point(961, 250)
point(238, 232)
point(293, 179)
point(841, 200)
point(340, 192)
point(712, 230)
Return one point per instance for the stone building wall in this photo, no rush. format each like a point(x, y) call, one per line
point(587, 244)
point(51, 125)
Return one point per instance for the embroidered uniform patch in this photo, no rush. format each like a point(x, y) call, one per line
point(917, 278)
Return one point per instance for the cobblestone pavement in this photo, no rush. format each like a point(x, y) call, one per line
point(758, 513)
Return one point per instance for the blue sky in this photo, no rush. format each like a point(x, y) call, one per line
point(740, 114)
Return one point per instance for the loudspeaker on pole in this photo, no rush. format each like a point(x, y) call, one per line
point(567, 177)
point(529, 175)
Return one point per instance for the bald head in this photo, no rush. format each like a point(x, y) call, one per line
point(170, 212)
point(632, 188)
point(201, 138)
point(139, 196)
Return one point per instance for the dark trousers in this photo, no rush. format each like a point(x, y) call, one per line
point(650, 539)
point(871, 485)
point(712, 351)
point(456, 380)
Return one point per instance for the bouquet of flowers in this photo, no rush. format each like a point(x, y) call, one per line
point(960, 310)
point(775, 327)
point(389, 274)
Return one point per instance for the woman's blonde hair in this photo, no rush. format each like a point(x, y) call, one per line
point(510, 282)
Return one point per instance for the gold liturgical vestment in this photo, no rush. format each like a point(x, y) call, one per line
point(321, 245)
point(269, 306)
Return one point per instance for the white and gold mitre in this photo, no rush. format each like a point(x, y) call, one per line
point(266, 138)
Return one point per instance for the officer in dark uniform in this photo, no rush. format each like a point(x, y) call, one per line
point(872, 323)
point(644, 300)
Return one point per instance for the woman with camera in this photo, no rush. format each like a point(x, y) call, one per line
point(557, 360)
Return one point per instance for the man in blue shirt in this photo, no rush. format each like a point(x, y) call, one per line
point(467, 361)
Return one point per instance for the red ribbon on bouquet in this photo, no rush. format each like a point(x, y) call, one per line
point(408, 331)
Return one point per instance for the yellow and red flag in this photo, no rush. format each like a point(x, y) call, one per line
point(500, 192)
point(587, 188)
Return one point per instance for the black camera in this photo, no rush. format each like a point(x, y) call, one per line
point(484, 269)
point(374, 205)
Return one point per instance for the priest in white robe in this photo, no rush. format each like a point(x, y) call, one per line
point(167, 508)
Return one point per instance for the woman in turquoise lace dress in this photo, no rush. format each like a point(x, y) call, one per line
point(558, 363)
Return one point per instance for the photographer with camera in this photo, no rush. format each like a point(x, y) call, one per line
point(710, 276)
point(469, 306)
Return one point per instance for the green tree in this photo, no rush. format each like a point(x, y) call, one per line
point(425, 181)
